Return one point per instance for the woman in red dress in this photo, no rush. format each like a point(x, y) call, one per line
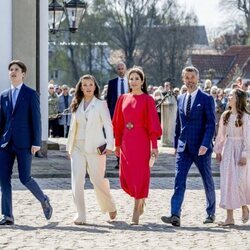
point(136, 128)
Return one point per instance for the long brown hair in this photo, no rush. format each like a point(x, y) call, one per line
point(138, 70)
point(241, 108)
point(79, 93)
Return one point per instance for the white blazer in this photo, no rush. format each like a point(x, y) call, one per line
point(98, 117)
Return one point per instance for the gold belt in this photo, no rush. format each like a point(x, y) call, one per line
point(129, 125)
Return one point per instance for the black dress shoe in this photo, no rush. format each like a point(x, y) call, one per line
point(38, 154)
point(47, 208)
point(6, 221)
point(174, 220)
point(209, 219)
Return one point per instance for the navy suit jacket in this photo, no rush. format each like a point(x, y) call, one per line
point(197, 129)
point(112, 95)
point(23, 124)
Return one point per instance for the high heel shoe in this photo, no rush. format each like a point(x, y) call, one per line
point(142, 206)
point(112, 215)
point(245, 215)
point(226, 223)
point(135, 218)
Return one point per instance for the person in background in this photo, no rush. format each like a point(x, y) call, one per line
point(176, 92)
point(157, 96)
point(207, 86)
point(116, 87)
point(232, 148)
point(72, 92)
point(150, 89)
point(20, 138)
point(58, 89)
point(217, 95)
point(53, 112)
point(64, 101)
point(183, 89)
point(89, 116)
point(136, 129)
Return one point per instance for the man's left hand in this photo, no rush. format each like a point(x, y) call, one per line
point(202, 150)
point(34, 149)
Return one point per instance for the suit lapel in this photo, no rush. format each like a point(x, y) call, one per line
point(89, 111)
point(116, 88)
point(182, 106)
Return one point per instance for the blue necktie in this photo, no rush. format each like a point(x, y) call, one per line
point(122, 86)
point(14, 97)
point(188, 106)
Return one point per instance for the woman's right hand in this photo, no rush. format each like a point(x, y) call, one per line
point(117, 151)
point(218, 157)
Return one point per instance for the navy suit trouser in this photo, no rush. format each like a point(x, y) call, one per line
point(24, 158)
point(184, 160)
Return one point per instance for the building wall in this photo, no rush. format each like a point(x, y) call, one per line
point(5, 42)
point(24, 36)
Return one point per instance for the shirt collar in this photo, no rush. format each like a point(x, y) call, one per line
point(18, 86)
point(124, 78)
point(193, 94)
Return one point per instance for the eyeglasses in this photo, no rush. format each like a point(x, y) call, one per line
point(51, 88)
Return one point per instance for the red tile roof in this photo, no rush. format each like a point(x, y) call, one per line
point(236, 58)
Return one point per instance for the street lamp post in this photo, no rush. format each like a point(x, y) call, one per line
point(72, 9)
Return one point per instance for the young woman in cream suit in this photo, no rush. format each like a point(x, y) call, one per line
point(89, 116)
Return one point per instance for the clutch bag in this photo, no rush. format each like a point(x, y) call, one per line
point(101, 149)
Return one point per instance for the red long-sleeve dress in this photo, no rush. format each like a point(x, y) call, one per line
point(136, 128)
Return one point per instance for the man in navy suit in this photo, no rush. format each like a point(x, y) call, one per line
point(20, 138)
point(195, 127)
point(117, 87)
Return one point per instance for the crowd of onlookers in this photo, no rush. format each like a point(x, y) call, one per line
point(60, 97)
point(59, 100)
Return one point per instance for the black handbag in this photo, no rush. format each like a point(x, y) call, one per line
point(101, 150)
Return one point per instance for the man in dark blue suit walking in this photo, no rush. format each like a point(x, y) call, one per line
point(20, 138)
point(195, 127)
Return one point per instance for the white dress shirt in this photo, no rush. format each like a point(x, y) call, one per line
point(125, 82)
point(193, 96)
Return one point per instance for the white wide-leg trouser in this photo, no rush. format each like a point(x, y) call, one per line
point(95, 165)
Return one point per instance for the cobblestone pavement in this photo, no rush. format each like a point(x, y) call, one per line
point(32, 231)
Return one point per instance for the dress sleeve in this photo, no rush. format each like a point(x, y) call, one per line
point(220, 138)
point(153, 123)
point(118, 122)
point(246, 136)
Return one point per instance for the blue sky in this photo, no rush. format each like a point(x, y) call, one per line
point(207, 11)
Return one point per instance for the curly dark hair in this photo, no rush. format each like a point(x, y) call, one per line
point(79, 94)
point(138, 70)
point(241, 107)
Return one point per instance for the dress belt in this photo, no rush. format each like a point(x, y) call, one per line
point(131, 125)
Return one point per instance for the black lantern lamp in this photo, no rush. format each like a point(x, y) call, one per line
point(74, 10)
point(56, 16)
